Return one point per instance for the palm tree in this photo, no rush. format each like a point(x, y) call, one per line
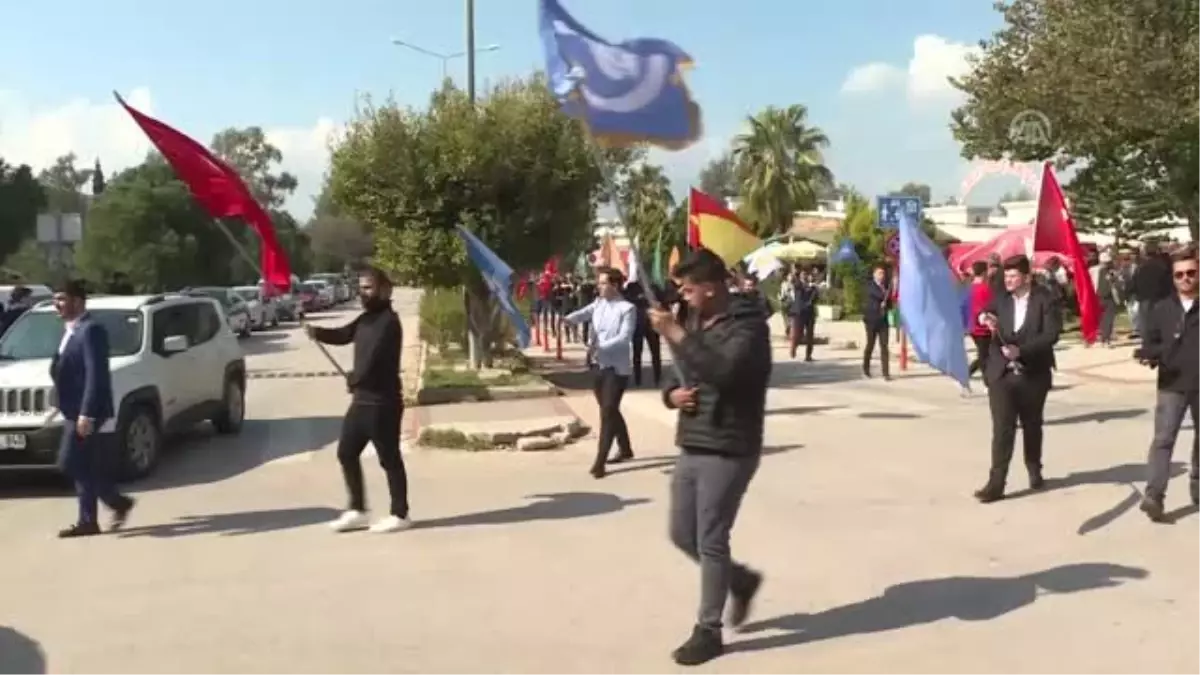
point(781, 166)
point(648, 205)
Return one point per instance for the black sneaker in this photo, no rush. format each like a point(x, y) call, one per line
point(742, 596)
point(620, 457)
point(121, 515)
point(703, 646)
point(79, 530)
point(1153, 508)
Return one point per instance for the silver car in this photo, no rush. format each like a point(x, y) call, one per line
point(262, 308)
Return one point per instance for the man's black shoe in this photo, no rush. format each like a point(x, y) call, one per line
point(703, 646)
point(1036, 481)
point(621, 457)
point(79, 530)
point(742, 596)
point(121, 515)
point(1153, 508)
point(989, 493)
point(597, 471)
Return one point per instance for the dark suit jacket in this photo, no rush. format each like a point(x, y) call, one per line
point(1035, 338)
point(81, 375)
point(873, 313)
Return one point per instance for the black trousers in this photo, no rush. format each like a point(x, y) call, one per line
point(1108, 321)
point(91, 464)
point(983, 343)
point(380, 425)
point(877, 334)
point(803, 329)
point(609, 388)
point(1169, 410)
point(652, 340)
point(1013, 398)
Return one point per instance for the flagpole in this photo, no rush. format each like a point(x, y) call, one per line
point(606, 172)
point(237, 245)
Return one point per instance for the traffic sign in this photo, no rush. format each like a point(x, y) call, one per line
point(889, 209)
point(892, 245)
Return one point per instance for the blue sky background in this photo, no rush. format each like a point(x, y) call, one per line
point(288, 65)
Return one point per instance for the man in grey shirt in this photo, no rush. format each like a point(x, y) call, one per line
point(612, 326)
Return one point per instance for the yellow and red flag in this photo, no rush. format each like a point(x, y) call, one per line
point(716, 228)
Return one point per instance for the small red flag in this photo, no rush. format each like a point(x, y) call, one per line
point(219, 189)
point(1054, 231)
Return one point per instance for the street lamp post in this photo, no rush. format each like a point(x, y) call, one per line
point(471, 51)
point(445, 59)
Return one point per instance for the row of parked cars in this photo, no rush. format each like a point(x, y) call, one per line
point(174, 364)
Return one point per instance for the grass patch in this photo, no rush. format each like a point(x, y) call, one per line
point(451, 377)
point(453, 439)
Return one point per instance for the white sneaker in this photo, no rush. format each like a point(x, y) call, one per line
point(390, 524)
point(349, 521)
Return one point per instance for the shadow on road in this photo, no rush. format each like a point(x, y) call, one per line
point(19, 653)
point(1133, 499)
point(1121, 474)
point(553, 506)
point(272, 341)
point(1098, 416)
point(889, 416)
point(235, 524)
point(798, 373)
point(803, 410)
point(918, 603)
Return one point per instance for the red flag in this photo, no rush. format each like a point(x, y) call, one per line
point(219, 189)
point(1054, 232)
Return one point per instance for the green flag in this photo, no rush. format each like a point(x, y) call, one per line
point(656, 273)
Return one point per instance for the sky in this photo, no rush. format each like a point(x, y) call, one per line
point(871, 72)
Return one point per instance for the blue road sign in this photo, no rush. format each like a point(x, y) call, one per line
point(888, 210)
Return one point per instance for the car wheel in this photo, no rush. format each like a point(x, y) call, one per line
point(245, 332)
point(139, 441)
point(233, 408)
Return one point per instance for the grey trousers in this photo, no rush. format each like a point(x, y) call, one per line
point(1168, 417)
point(706, 492)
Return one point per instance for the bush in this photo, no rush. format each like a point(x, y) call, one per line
point(443, 318)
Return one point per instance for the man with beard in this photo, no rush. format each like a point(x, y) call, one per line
point(376, 406)
point(1025, 324)
point(724, 358)
point(1171, 344)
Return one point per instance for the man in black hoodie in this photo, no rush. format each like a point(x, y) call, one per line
point(376, 406)
point(1151, 284)
point(1171, 344)
point(724, 356)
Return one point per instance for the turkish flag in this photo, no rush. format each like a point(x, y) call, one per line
point(1054, 232)
point(219, 189)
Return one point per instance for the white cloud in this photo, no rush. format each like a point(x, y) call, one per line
point(37, 135)
point(924, 78)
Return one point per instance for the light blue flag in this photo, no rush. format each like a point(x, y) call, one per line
point(930, 303)
point(844, 252)
point(626, 93)
point(498, 276)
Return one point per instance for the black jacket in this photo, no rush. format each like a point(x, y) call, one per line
point(1152, 279)
point(1035, 338)
point(1171, 342)
point(377, 336)
point(804, 299)
point(877, 303)
point(729, 364)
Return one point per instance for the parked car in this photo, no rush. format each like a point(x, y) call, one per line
point(173, 365)
point(308, 297)
point(37, 293)
point(339, 288)
point(262, 308)
point(237, 313)
point(325, 293)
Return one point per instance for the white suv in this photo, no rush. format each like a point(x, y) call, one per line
point(174, 364)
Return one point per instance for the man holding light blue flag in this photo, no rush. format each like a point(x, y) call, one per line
point(498, 276)
point(931, 303)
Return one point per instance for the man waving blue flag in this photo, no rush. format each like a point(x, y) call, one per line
point(498, 276)
point(930, 303)
point(626, 93)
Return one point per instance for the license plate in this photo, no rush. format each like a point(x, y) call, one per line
point(12, 441)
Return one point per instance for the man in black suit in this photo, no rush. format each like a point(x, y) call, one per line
point(875, 319)
point(1025, 325)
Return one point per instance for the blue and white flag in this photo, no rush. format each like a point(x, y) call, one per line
point(930, 303)
point(844, 253)
point(498, 276)
point(626, 93)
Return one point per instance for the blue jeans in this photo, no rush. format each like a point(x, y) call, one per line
point(88, 462)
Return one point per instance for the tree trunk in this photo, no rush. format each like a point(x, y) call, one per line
point(479, 325)
point(1193, 221)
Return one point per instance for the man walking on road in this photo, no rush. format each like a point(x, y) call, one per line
point(85, 399)
point(1171, 343)
point(875, 319)
point(613, 323)
point(376, 406)
point(724, 356)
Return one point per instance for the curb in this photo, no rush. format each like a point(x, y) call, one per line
point(451, 395)
point(290, 374)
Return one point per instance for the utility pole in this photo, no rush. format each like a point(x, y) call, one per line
point(471, 50)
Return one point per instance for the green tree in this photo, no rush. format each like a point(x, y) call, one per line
point(147, 225)
point(648, 203)
point(336, 240)
point(1113, 78)
point(1107, 198)
point(64, 183)
point(780, 166)
point(511, 168)
point(1022, 195)
point(29, 264)
point(97, 180)
point(858, 225)
point(21, 199)
point(719, 178)
point(920, 190)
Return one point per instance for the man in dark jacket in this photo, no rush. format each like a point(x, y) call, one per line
point(19, 302)
point(876, 305)
point(1171, 343)
point(724, 357)
point(1151, 283)
point(802, 313)
point(643, 334)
